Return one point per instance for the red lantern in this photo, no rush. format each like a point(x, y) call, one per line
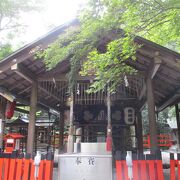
point(10, 109)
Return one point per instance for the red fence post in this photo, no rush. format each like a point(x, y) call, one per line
point(1, 165)
point(142, 167)
point(6, 166)
point(13, 166)
point(172, 167)
point(119, 174)
point(151, 166)
point(121, 167)
point(135, 167)
point(125, 170)
point(49, 167)
point(32, 167)
point(41, 168)
point(26, 172)
point(178, 165)
point(19, 169)
point(159, 166)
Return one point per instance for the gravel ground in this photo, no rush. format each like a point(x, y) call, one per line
point(55, 174)
point(166, 174)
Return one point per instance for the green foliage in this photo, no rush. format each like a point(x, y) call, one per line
point(101, 46)
point(11, 12)
point(162, 125)
point(5, 50)
point(107, 67)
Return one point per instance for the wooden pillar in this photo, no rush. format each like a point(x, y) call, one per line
point(32, 118)
point(61, 130)
point(35, 138)
point(2, 119)
point(139, 131)
point(70, 143)
point(109, 127)
point(178, 123)
point(152, 116)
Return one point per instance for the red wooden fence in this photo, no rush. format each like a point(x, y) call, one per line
point(164, 140)
point(147, 167)
point(23, 168)
point(174, 167)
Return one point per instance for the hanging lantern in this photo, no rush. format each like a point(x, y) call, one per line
point(129, 113)
point(10, 109)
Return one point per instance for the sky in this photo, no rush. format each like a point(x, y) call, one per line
point(54, 13)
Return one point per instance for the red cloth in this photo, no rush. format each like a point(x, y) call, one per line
point(109, 143)
point(10, 109)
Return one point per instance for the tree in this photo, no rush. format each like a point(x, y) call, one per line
point(105, 37)
point(162, 123)
point(11, 11)
point(5, 50)
point(10, 23)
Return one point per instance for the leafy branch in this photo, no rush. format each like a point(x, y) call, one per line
point(105, 38)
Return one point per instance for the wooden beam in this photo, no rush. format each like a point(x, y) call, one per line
point(139, 131)
point(168, 59)
point(23, 100)
point(156, 65)
point(23, 72)
point(48, 93)
point(17, 84)
point(22, 110)
point(174, 95)
point(20, 104)
point(168, 101)
point(32, 118)
point(109, 126)
point(172, 72)
point(28, 75)
point(61, 130)
point(151, 74)
point(29, 50)
point(135, 65)
point(142, 104)
point(6, 79)
point(3, 102)
point(159, 93)
point(63, 77)
point(6, 94)
point(14, 60)
point(108, 100)
point(70, 143)
point(24, 90)
point(143, 92)
point(154, 70)
point(168, 79)
point(152, 116)
point(178, 123)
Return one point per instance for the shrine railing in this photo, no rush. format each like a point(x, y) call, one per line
point(164, 140)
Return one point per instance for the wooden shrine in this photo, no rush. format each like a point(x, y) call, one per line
point(92, 117)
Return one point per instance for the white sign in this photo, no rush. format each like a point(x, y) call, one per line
point(85, 167)
point(10, 140)
point(17, 145)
